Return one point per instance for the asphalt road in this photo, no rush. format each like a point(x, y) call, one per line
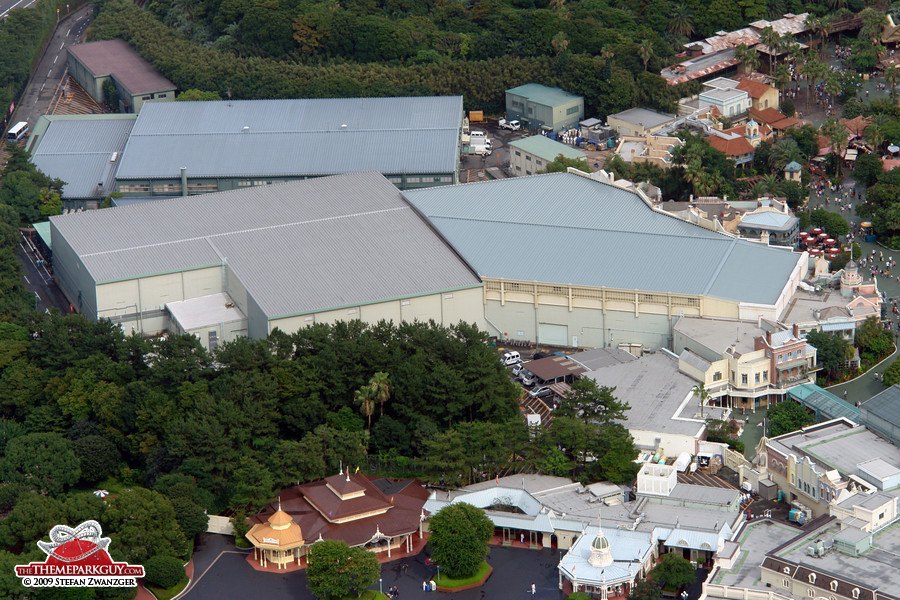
point(8, 5)
point(51, 71)
point(37, 279)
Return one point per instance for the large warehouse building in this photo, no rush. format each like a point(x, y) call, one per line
point(245, 262)
point(573, 261)
point(83, 151)
point(183, 148)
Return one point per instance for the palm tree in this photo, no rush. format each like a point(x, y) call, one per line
point(784, 151)
point(837, 136)
point(702, 394)
point(875, 133)
point(559, 43)
point(769, 184)
point(381, 388)
point(772, 40)
point(749, 57)
point(681, 20)
point(645, 52)
point(365, 398)
point(782, 76)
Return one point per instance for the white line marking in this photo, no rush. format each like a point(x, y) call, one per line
point(56, 58)
point(12, 7)
point(68, 32)
point(49, 71)
point(25, 277)
point(61, 45)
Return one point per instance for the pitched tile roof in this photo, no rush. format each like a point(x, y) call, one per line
point(735, 146)
point(756, 89)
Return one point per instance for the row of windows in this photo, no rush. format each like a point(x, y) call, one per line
point(573, 110)
point(745, 378)
point(812, 592)
point(789, 356)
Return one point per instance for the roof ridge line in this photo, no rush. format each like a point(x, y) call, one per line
point(721, 265)
point(249, 230)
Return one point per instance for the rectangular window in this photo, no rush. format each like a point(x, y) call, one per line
point(162, 95)
point(717, 376)
point(395, 179)
point(518, 153)
point(528, 158)
point(528, 172)
point(145, 98)
point(413, 180)
point(744, 378)
point(166, 188)
point(132, 188)
point(538, 163)
point(732, 376)
point(881, 516)
point(765, 376)
point(756, 378)
point(572, 110)
point(445, 179)
point(518, 168)
point(203, 187)
point(245, 183)
point(786, 583)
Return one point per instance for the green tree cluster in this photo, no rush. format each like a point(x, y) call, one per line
point(832, 352)
point(459, 537)
point(335, 570)
point(785, 417)
point(356, 50)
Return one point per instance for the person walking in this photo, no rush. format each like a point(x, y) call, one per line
point(533, 589)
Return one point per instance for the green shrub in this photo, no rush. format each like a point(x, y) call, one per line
point(163, 571)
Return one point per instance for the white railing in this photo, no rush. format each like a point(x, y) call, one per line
point(738, 593)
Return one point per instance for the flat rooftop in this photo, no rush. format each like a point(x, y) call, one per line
point(719, 334)
point(877, 568)
point(204, 311)
point(756, 540)
point(543, 147)
point(644, 117)
point(838, 445)
point(659, 395)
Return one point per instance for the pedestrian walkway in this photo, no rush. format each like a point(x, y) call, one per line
point(865, 386)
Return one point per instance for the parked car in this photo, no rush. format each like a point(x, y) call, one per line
point(511, 125)
point(511, 358)
point(517, 369)
point(527, 377)
point(540, 392)
point(539, 355)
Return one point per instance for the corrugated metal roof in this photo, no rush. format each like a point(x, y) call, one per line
point(294, 137)
point(579, 231)
point(543, 147)
point(542, 94)
point(885, 405)
point(78, 151)
point(296, 247)
point(769, 219)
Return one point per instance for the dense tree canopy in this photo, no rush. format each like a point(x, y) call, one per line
point(459, 537)
point(785, 417)
point(335, 570)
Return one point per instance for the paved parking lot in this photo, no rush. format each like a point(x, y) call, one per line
point(223, 572)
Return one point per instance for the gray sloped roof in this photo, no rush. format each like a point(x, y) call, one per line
point(78, 151)
point(294, 137)
point(886, 405)
point(296, 247)
point(575, 230)
point(117, 58)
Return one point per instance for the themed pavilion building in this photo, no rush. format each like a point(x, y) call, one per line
point(380, 514)
point(605, 564)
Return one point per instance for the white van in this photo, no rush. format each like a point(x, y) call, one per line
point(511, 358)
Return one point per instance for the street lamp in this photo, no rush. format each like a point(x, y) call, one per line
point(380, 591)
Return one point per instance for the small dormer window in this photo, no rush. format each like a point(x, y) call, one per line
point(812, 577)
point(855, 593)
point(834, 585)
point(787, 570)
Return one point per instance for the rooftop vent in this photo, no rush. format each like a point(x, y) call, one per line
point(114, 157)
point(343, 126)
point(245, 129)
